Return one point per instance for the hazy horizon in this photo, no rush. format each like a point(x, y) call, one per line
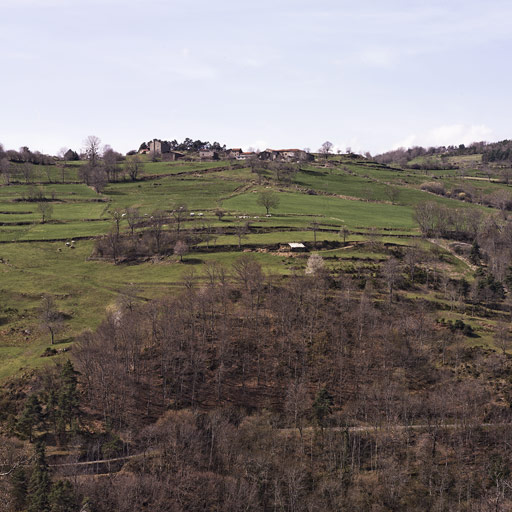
point(372, 76)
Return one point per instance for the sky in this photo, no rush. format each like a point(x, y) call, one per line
point(369, 75)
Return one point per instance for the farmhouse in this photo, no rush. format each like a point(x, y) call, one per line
point(207, 154)
point(158, 147)
point(234, 152)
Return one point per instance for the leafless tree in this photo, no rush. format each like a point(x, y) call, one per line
point(392, 274)
point(48, 171)
point(134, 167)
point(110, 159)
point(344, 232)
point(97, 178)
point(117, 216)
point(45, 209)
point(268, 199)
point(50, 316)
point(180, 249)
point(502, 199)
point(180, 213)
point(92, 149)
point(502, 336)
point(114, 243)
point(412, 257)
point(241, 230)
point(157, 221)
point(132, 216)
point(27, 170)
point(298, 403)
point(325, 149)
point(427, 216)
point(5, 170)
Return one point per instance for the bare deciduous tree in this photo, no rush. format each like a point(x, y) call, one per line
point(179, 212)
point(27, 170)
point(502, 336)
point(180, 249)
point(92, 149)
point(326, 148)
point(241, 230)
point(50, 316)
point(391, 272)
point(5, 169)
point(132, 216)
point(268, 199)
point(45, 209)
point(134, 167)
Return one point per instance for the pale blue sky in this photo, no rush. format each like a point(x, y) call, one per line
point(372, 75)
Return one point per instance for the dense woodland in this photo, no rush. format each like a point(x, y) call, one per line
point(326, 392)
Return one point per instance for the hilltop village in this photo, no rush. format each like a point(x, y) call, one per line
point(205, 151)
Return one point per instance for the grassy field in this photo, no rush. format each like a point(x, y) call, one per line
point(351, 213)
point(34, 258)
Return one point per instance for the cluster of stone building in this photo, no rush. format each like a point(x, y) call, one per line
point(283, 155)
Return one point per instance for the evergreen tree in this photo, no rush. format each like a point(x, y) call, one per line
point(68, 400)
point(30, 417)
point(40, 483)
point(474, 255)
point(19, 488)
point(62, 498)
point(322, 406)
point(51, 409)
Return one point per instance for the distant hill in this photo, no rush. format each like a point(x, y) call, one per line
point(437, 157)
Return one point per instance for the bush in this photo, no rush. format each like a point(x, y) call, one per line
point(434, 188)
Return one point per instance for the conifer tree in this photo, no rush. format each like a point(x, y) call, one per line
point(322, 406)
point(475, 255)
point(30, 417)
point(62, 497)
point(68, 399)
point(51, 409)
point(19, 488)
point(40, 483)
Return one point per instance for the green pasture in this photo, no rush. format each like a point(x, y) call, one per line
point(62, 212)
point(352, 213)
point(364, 188)
point(163, 194)
point(32, 263)
point(57, 191)
point(178, 167)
